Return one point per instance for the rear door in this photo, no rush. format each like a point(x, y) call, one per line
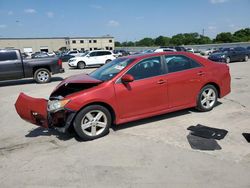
point(92, 58)
point(147, 93)
point(185, 78)
point(10, 65)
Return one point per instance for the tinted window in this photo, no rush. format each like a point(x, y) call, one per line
point(92, 54)
point(106, 53)
point(99, 53)
point(177, 63)
point(146, 68)
point(239, 49)
point(4, 56)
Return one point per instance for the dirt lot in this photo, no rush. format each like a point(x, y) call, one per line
point(154, 152)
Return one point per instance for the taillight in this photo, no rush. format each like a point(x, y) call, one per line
point(59, 62)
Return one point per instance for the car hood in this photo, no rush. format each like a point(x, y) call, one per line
point(74, 84)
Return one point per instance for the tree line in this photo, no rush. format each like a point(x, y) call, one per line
point(242, 35)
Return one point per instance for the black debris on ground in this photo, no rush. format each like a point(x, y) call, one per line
point(199, 143)
point(207, 132)
point(246, 136)
point(205, 138)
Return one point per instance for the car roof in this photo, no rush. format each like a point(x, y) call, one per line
point(143, 56)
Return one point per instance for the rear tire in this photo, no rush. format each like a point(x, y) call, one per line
point(246, 58)
point(42, 76)
point(81, 65)
point(207, 98)
point(92, 122)
point(107, 61)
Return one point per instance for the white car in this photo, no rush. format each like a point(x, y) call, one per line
point(74, 53)
point(165, 50)
point(208, 51)
point(190, 50)
point(92, 58)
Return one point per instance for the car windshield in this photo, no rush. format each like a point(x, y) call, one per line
point(111, 69)
point(84, 54)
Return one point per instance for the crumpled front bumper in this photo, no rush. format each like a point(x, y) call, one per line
point(34, 110)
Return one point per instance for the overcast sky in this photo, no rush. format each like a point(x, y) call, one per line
point(123, 19)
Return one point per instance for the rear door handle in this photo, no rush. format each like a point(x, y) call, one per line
point(161, 82)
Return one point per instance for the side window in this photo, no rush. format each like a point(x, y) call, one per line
point(146, 68)
point(5, 56)
point(177, 63)
point(92, 54)
point(100, 53)
point(106, 53)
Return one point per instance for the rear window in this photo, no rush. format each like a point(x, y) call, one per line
point(5, 56)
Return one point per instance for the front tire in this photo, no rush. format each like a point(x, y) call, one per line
point(42, 76)
point(92, 122)
point(81, 65)
point(207, 98)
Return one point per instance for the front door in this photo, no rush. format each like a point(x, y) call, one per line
point(10, 65)
point(147, 93)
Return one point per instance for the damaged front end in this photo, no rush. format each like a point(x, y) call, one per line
point(44, 113)
point(53, 113)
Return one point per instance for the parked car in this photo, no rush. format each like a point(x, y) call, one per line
point(73, 52)
point(128, 89)
point(177, 48)
point(13, 66)
point(228, 55)
point(191, 50)
point(66, 57)
point(39, 55)
point(92, 58)
point(165, 50)
point(51, 54)
point(207, 51)
point(120, 53)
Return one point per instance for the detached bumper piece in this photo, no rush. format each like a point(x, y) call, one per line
point(33, 110)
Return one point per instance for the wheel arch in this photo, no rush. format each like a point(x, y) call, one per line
point(215, 85)
point(81, 61)
point(109, 107)
point(40, 67)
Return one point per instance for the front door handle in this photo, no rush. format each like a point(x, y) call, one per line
point(161, 82)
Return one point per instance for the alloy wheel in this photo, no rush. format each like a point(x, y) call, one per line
point(94, 123)
point(208, 98)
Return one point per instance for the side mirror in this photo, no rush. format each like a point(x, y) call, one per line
point(127, 78)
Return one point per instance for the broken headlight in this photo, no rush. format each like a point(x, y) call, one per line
point(57, 105)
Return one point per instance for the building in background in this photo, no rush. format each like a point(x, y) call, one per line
point(31, 45)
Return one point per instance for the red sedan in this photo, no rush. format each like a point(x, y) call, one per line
point(128, 89)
